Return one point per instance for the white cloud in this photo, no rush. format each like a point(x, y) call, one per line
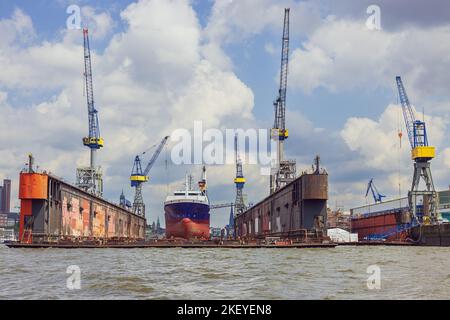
point(100, 24)
point(150, 79)
point(377, 141)
point(211, 96)
point(163, 71)
point(232, 21)
point(237, 21)
point(16, 30)
point(344, 55)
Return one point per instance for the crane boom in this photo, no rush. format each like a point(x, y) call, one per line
point(155, 155)
point(377, 197)
point(221, 205)
point(408, 112)
point(93, 141)
point(138, 177)
point(280, 102)
point(137, 174)
point(417, 132)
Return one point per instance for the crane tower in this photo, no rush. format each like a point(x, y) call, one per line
point(90, 178)
point(421, 154)
point(239, 180)
point(284, 171)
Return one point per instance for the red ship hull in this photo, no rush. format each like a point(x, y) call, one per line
point(187, 220)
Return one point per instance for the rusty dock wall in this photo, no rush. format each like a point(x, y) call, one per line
point(297, 210)
point(53, 211)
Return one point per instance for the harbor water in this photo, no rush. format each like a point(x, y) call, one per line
point(344, 272)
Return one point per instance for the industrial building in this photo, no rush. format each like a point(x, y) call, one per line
point(5, 196)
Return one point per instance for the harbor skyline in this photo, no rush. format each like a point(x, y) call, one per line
point(341, 103)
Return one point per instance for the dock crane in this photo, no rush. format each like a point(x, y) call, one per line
point(239, 180)
point(285, 169)
point(90, 178)
point(238, 206)
point(421, 154)
point(377, 197)
point(139, 176)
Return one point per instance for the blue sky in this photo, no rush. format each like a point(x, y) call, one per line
point(248, 59)
point(159, 65)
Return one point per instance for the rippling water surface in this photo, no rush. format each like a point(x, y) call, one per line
point(339, 273)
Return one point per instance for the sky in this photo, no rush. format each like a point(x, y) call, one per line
point(160, 65)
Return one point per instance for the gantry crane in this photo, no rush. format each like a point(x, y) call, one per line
point(421, 154)
point(377, 197)
point(284, 172)
point(90, 178)
point(139, 176)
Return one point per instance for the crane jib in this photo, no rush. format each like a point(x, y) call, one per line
point(280, 102)
point(417, 133)
point(93, 141)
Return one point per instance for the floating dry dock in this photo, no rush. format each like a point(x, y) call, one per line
point(168, 244)
point(296, 211)
point(53, 211)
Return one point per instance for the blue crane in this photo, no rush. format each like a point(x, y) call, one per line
point(139, 176)
point(239, 180)
point(93, 140)
point(377, 197)
point(417, 133)
point(280, 102)
point(285, 170)
point(421, 154)
point(90, 178)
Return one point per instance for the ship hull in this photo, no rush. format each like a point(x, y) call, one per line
point(187, 220)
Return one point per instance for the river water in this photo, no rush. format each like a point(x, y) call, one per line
point(337, 273)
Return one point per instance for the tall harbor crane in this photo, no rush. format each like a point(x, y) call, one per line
point(139, 176)
point(421, 154)
point(284, 172)
point(238, 206)
point(239, 180)
point(377, 197)
point(90, 178)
